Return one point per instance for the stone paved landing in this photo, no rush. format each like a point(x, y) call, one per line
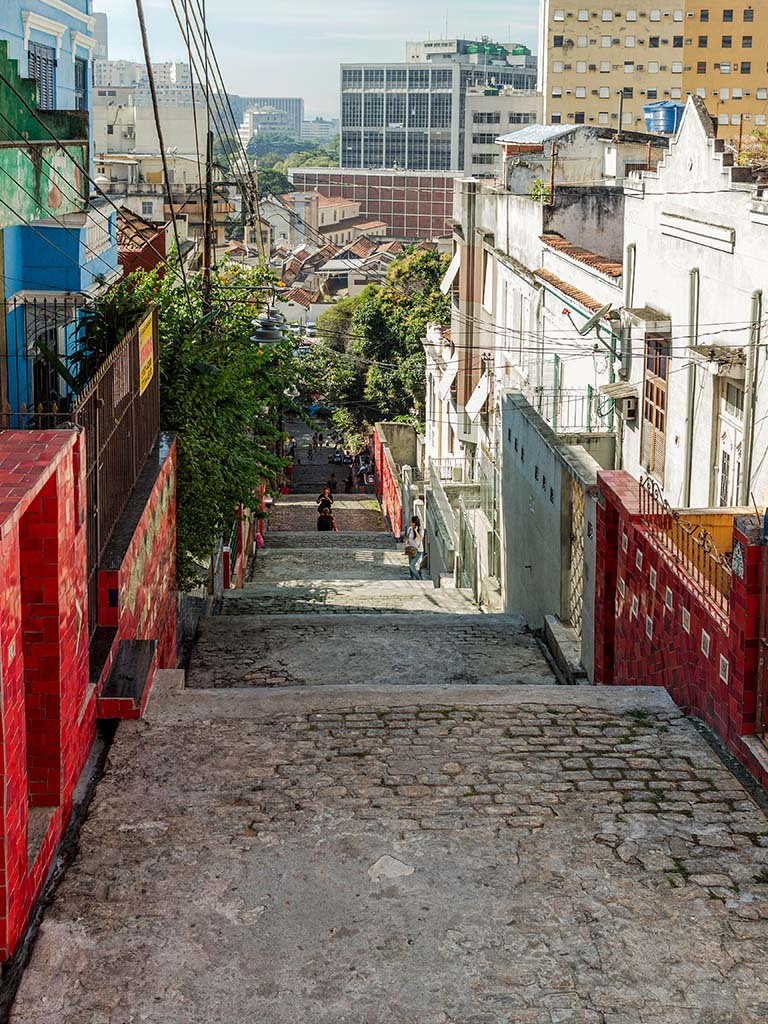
point(344, 650)
point(332, 564)
point(343, 597)
point(436, 856)
point(353, 512)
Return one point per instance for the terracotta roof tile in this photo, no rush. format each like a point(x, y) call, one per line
point(133, 231)
point(568, 289)
point(603, 264)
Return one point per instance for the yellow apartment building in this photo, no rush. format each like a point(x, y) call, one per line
point(726, 50)
point(601, 64)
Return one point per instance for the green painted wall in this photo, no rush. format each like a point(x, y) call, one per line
point(38, 178)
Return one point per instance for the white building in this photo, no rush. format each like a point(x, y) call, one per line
point(320, 130)
point(488, 114)
point(696, 253)
point(121, 125)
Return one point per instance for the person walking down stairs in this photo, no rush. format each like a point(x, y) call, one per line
point(414, 548)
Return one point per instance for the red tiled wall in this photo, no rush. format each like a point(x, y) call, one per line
point(43, 639)
point(146, 580)
point(652, 622)
point(387, 487)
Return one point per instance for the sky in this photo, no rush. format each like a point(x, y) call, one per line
point(294, 49)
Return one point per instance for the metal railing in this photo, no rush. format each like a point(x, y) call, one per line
point(689, 544)
point(119, 409)
point(582, 410)
point(121, 423)
point(454, 470)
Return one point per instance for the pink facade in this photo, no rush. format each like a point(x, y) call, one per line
point(655, 626)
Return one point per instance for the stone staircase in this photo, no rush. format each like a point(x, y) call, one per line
point(341, 610)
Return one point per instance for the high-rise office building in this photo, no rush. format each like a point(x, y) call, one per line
point(412, 115)
point(291, 105)
point(601, 65)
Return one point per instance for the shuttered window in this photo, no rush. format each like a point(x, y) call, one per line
point(42, 67)
point(81, 84)
point(655, 406)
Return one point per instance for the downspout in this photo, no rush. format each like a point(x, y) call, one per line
point(751, 395)
point(694, 288)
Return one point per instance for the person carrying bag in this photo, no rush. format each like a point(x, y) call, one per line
point(414, 548)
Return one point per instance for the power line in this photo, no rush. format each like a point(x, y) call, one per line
point(159, 129)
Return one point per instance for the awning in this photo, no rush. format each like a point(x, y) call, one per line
point(479, 397)
point(449, 376)
point(451, 272)
point(721, 360)
point(619, 390)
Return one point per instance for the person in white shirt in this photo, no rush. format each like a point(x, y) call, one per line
point(414, 548)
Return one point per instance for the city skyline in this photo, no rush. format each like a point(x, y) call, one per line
point(332, 34)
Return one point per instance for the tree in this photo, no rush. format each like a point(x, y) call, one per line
point(282, 143)
point(221, 394)
point(334, 326)
point(274, 183)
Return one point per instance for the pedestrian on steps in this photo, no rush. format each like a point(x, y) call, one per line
point(414, 548)
point(325, 520)
point(333, 483)
point(349, 483)
point(325, 500)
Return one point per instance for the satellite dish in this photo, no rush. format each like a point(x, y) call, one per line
point(594, 320)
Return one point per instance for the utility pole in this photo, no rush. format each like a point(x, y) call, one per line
point(208, 224)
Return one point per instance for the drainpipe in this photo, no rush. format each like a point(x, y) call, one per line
point(694, 288)
point(629, 284)
point(751, 395)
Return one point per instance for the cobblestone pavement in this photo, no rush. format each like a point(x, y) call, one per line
point(442, 856)
point(411, 650)
point(404, 848)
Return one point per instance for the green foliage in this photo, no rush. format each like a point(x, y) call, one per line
point(274, 182)
point(281, 143)
point(369, 363)
point(540, 191)
point(222, 396)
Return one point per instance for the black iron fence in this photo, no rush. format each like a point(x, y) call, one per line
point(119, 409)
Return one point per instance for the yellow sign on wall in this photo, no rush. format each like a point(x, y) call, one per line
point(146, 353)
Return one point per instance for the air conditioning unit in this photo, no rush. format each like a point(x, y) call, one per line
point(640, 67)
point(593, 67)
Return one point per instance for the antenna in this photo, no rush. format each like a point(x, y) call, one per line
point(593, 321)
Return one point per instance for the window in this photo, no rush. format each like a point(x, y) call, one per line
point(677, 67)
point(486, 117)
point(110, 129)
point(605, 92)
point(559, 15)
point(703, 41)
point(605, 41)
point(631, 15)
point(557, 91)
point(746, 67)
point(655, 16)
point(81, 84)
point(629, 67)
point(556, 118)
point(762, 94)
point(727, 42)
point(737, 94)
point(652, 67)
point(607, 15)
point(557, 67)
point(704, 16)
point(725, 69)
point(652, 94)
point(578, 117)
point(701, 67)
point(677, 42)
point(676, 94)
point(749, 14)
point(603, 117)
point(146, 209)
point(760, 119)
point(605, 67)
point(677, 16)
point(581, 67)
point(581, 41)
point(653, 42)
point(41, 64)
point(628, 92)
point(655, 406)
point(583, 15)
point(629, 41)
point(557, 40)
point(728, 14)
point(581, 92)
point(746, 42)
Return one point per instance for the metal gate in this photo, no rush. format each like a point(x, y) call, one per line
point(468, 575)
point(576, 570)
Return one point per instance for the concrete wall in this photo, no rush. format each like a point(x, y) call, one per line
point(538, 469)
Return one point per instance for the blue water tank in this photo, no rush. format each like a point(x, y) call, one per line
point(663, 117)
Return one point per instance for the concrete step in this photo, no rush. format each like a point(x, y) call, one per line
point(330, 564)
point(366, 650)
point(304, 539)
point(306, 596)
point(352, 513)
